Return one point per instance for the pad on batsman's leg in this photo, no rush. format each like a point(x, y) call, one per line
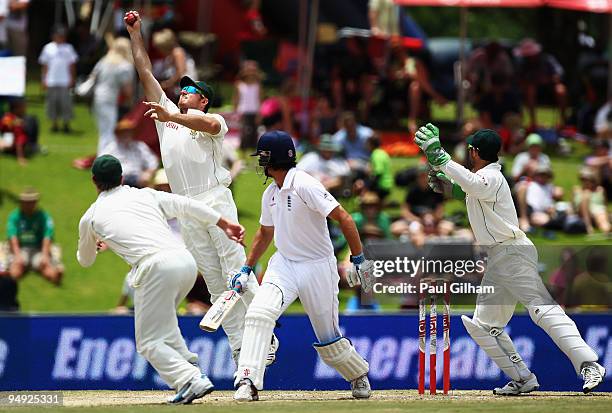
point(499, 347)
point(340, 354)
point(259, 324)
point(563, 331)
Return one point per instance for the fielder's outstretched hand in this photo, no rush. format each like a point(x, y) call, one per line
point(235, 232)
point(428, 139)
point(132, 21)
point(361, 273)
point(157, 112)
point(240, 280)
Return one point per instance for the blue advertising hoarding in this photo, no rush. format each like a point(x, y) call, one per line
point(98, 352)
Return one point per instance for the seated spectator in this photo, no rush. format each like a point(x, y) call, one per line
point(525, 163)
point(325, 165)
point(590, 202)
point(483, 66)
point(371, 220)
point(138, 161)
point(603, 121)
point(561, 279)
point(352, 139)
point(539, 71)
point(497, 104)
point(30, 240)
point(592, 287)
point(421, 204)
point(380, 178)
point(600, 161)
point(18, 131)
point(537, 201)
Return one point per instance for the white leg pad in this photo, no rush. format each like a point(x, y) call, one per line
point(499, 347)
point(259, 324)
point(563, 331)
point(342, 356)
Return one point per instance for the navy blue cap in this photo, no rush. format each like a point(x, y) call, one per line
point(274, 148)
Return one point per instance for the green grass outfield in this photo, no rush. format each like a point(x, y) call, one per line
point(333, 402)
point(67, 193)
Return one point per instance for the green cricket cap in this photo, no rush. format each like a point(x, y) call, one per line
point(205, 89)
point(487, 142)
point(107, 169)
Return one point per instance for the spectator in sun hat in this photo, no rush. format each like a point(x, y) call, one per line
point(137, 159)
point(30, 232)
point(525, 163)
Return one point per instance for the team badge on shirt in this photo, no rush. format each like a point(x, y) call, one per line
point(288, 202)
point(193, 133)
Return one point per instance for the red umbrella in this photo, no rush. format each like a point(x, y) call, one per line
point(474, 3)
point(593, 6)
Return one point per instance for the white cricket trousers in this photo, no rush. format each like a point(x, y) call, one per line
point(512, 269)
point(315, 283)
point(161, 282)
point(218, 258)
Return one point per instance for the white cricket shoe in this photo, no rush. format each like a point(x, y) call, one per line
point(361, 387)
point(274, 345)
point(514, 388)
point(593, 374)
point(246, 392)
point(197, 388)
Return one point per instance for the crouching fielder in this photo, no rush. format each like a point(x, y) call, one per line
point(133, 224)
point(512, 263)
point(293, 212)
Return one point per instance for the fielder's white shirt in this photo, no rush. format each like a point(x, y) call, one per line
point(489, 202)
point(193, 160)
point(134, 223)
point(298, 212)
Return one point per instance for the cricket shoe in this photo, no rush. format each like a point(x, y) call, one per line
point(197, 388)
point(246, 392)
point(593, 374)
point(514, 388)
point(361, 387)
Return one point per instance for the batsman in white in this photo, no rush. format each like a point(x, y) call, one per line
point(191, 142)
point(133, 224)
point(512, 263)
point(294, 209)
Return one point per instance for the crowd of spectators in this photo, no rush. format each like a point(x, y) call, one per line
point(337, 129)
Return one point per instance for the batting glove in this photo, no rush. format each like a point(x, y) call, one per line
point(440, 183)
point(239, 280)
point(428, 139)
point(361, 273)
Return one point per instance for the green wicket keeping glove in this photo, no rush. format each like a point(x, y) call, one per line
point(428, 139)
point(441, 184)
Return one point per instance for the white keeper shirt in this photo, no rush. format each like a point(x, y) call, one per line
point(298, 213)
point(193, 160)
point(489, 202)
point(134, 223)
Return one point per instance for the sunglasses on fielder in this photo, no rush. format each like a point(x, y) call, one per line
point(191, 90)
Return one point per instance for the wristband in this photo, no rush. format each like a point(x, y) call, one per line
point(357, 259)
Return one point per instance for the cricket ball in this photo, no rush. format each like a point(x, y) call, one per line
point(130, 18)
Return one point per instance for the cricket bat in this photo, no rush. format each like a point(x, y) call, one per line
point(219, 310)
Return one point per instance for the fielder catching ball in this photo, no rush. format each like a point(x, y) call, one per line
point(294, 209)
point(133, 224)
point(512, 263)
point(191, 142)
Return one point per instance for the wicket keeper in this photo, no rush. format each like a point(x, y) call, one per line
point(512, 263)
